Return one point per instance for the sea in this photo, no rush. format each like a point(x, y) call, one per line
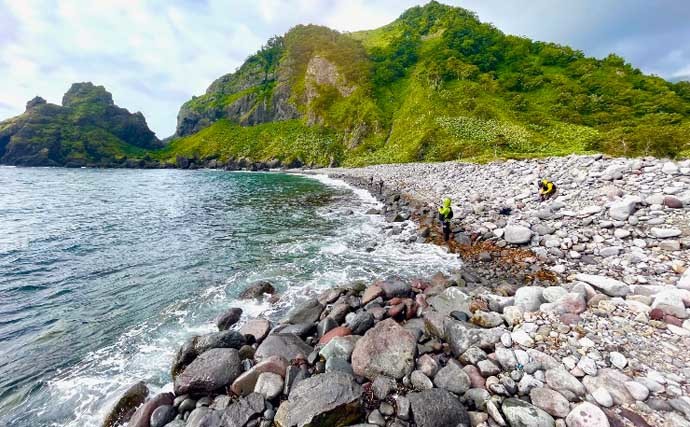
point(104, 273)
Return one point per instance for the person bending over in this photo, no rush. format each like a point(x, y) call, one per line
point(445, 214)
point(546, 189)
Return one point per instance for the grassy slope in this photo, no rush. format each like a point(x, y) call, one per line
point(504, 96)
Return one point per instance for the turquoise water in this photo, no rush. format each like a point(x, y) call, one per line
point(104, 273)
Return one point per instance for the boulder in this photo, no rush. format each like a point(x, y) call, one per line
point(438, 408)
point(386, 349)
point(289, 346)
point(257, 290)
point(214, 369)
point(229, 318)
point(517, 234)
point(245, 383)
point(240, 412)
point(550, 401)
point(339, 347)
point(126, 405)
point(223, 339)
point(451, 299)
point(607, 285)
point(371, 293)
point(613, 381)
point(519, 413)
point(258, 328)
point(394, 287)
point(622, 209)
point(162, 416)
point(142, 417)
point(330, 399)
point(360, 322)
point(665, 233)
point(670, 301)
point(461, 336)
point(562, 381)
point(452, 378)
point(586, 415)
point(269, 385)
point(307, 312)
point(529, 298)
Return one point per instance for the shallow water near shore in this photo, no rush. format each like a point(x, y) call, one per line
point(104, 273)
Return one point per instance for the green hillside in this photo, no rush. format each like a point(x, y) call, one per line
point(436, 84)
point(87, 129)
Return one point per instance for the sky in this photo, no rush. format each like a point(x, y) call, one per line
point(154, 55)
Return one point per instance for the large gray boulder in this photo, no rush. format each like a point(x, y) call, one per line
point(517, 234)
point(240, 412)
point(451, 299)
point(529, 298)
point(453, 378)
point(460, 336)
point(622, 209)
point(214, 369)
point(307, 312)
point(607, 285)
point(126, 405)
point(386, 349)
point(197, 345)
point(288, 346)
point(230, 317)
point(438, 408)
point(519, 413)
point(330, 399)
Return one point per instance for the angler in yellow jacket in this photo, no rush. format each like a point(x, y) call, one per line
point(445, 214)
point(546, 189)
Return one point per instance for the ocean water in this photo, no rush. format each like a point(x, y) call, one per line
point(104, 273)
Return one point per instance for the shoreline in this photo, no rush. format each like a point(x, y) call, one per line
point(512, 337)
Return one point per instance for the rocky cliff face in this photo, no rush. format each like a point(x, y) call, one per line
point(88, 128)
point(258, 92)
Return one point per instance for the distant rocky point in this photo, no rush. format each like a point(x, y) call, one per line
point(88, 129)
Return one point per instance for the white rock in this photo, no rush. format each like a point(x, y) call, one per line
point(607, 285)
point(637, 390)
point(670, 302)
point(622, 209)
point(684, 281)
point(621, 233)
point(586, 415)
point(517, 234)
point(603, 397)
point(529, 298)
point(587, 365)
point(522, 338)
point(665, 233)
point(670, 168)
point(618, 360)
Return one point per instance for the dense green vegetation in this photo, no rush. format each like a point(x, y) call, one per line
point(88, 129)
point(437, 84)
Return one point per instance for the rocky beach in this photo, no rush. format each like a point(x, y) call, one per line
point(569, 312)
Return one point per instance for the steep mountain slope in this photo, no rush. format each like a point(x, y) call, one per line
point(87, 129)
point(436, 84)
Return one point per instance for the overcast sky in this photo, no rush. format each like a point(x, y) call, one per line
point(154, 55)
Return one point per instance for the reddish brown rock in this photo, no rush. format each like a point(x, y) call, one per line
point(476, 378)
point(672, 320)
point(340, 331)
point(142, 416)
point(656, 314)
